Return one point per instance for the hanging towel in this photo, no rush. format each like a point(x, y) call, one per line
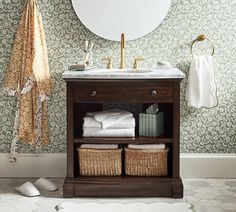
point(147, 146)
point(107, 118)
point(99, 146)
point(28, 79)
point(126, 123)
point(201, 88)
point(98, 132)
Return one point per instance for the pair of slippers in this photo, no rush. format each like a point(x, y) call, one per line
point(31, 189)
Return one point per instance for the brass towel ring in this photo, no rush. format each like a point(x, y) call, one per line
point(202, 38)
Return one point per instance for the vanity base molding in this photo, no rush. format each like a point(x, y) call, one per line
point(123, 186)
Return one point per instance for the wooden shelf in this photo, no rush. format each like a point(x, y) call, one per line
point(135, 140)
point(118, 178)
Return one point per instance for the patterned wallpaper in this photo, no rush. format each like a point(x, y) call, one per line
point(202, 131)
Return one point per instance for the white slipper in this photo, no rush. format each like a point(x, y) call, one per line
point(28, 189)
point(45, 184)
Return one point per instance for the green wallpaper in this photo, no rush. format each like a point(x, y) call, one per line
point(202, 131)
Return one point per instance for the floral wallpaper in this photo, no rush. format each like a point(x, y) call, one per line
point(202, 131)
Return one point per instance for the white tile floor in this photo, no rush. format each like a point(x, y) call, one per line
point(206, 195)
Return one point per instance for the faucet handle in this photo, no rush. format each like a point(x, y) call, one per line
point(109, 62)
point(136, 62)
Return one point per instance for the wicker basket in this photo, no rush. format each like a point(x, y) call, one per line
point(100, 162)
point(146, 162)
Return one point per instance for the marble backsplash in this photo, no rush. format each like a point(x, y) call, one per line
point(202, 131)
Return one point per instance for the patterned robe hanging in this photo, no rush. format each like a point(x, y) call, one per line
point(28, 79)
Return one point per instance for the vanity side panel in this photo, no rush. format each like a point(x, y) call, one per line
point(70, 130)
point(176, 129)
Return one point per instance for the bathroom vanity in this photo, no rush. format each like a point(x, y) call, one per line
point(88, 91)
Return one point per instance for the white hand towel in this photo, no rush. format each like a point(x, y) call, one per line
point(147, 146)
point(201, 88)
point(99, 146)
point(98, 132)
point(127, 123)
point(110, 117)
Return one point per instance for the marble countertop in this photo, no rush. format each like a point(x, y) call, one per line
point(158, 73)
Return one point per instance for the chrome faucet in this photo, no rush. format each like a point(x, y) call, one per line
point(122, 51)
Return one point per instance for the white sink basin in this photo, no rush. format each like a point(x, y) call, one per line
point(138, 71)
point(126, 71)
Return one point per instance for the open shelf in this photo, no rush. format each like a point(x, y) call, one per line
point(80, 110)
point(123, 176)
point(135, 140)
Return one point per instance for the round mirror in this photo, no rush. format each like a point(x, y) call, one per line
point(110, 18)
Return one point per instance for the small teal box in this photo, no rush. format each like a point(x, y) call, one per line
point(151, 125)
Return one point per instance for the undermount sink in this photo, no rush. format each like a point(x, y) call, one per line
point(138, 71)
point(124, 71)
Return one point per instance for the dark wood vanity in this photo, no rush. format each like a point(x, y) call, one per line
point(87, 95)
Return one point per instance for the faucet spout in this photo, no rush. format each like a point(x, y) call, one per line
point(122, 51)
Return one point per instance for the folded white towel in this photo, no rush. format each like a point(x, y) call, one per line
point(127, 123)
point(201, 88)
point(147, 146)
point(98, 132)
point(108, 118)
point(99, 146)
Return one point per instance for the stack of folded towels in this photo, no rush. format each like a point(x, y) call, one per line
point(99, 146)
point(109, 123)
point(147, 146)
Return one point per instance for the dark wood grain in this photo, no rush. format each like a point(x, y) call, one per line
point(127, 186)
point(132, 92)
point(176, 121)
point(135, 140)
point(68, 190)
point(70, 132)
point(80, 101)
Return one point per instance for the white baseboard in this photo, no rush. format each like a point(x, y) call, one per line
point(208, 165)
point(33, 165)
point(54, 165)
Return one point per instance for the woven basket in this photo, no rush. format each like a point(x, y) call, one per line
point(99, 162)
point(146, 162)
